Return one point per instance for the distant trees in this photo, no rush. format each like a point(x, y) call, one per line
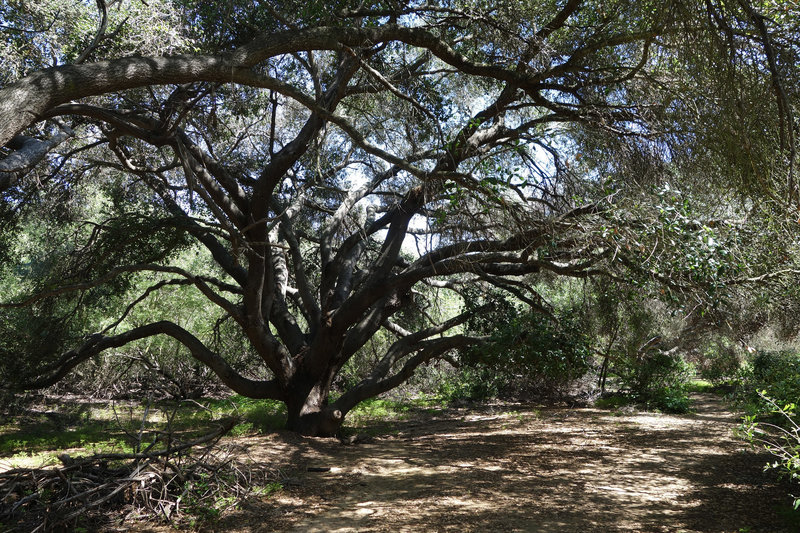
point(337, 166)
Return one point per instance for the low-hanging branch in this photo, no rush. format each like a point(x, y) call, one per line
point(97, 343)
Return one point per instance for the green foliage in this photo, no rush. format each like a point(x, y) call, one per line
point(473, 383)
point(42, 435)
point(378, 408)
point(769, 374)
point(95, 428)
point(53, 248)
point(40, 332)
point(549, 352)
point(360, 364)
point(218, 27)
point(258, 415)
point(781, 439)
point(640, 345)
point(701, 253)
point(202, 502)
point(380, 411)
point(100, 428)
point(701, 385)
point(673, 399)
point(378, 416)
point(613, 401)
point(269, 488)
point(535, 345)
point(656, 378)
point(720, 363)
point(37, 33)
point(513, 196)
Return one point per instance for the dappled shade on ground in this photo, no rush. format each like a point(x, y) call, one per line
point(516, 468)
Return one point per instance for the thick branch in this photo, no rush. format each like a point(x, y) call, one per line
point(371, 387)
point(28, 153)
point(201, 281)
point(98, 343)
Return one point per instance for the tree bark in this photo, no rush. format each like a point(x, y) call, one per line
point(308, 412)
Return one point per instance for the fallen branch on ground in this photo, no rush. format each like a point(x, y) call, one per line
point(194, 478)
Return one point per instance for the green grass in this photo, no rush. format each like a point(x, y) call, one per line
point(43, 436)
point(258, 415)
point(376, 416)
point(613, 401)
point(701, 385)
point(100, 428)
point(378, 408)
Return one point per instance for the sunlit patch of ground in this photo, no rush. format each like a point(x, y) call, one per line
point(519, 469)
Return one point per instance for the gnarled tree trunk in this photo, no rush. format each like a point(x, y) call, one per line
point(308, 411)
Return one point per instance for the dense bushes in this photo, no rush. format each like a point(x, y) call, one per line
point(471, 383)
point(781, 439)
point(720, 363)
point(771, 374)
point(777, 373)
point(534, 354)
point(656, 378)
point(769, 389)
point(526, 350)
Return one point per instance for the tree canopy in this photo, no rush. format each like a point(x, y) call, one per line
point(334, 167)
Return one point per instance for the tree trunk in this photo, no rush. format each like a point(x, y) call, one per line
point(604, 373)
point(309, 414)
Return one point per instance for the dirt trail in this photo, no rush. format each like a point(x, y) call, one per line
point(516, 468)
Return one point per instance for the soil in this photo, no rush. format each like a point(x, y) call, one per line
point(519, 468)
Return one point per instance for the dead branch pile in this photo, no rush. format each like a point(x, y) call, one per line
point(194, 480)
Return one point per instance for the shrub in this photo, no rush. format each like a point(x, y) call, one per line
point(782, 440)
point(529, 349)
point(772, 374)
point(657, 378)
point(720, 364)
point(470, 383)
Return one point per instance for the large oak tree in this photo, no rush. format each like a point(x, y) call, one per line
point(338, 162)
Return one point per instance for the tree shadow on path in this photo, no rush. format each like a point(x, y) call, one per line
point(523, 469)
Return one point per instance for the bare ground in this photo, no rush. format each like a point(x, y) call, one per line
point(518, 468)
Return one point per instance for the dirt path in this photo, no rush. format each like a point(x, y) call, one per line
point(516, 468)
